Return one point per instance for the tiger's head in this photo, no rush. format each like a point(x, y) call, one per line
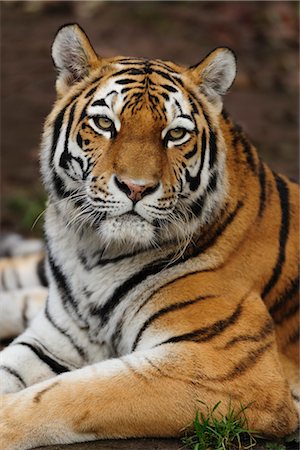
point(133, 147)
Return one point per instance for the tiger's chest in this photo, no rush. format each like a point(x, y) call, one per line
point(110, 298)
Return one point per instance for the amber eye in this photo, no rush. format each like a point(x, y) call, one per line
point(103, 122)
point(176, 133)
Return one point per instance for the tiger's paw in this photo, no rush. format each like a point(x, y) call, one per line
point(9, 426)
point(18, 431)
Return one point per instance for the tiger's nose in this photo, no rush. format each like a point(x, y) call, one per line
point(136, 189)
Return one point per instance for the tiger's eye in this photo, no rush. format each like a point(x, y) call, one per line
point(177, 133)
point(103, 122)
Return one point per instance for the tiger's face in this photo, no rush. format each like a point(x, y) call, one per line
point(133, 144)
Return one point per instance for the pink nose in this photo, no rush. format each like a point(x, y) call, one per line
point(135, 191)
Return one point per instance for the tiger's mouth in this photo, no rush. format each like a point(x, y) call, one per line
point(131, 217)
point(131, 213)
point(129, 230)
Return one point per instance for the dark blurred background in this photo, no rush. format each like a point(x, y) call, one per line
point(264, 98)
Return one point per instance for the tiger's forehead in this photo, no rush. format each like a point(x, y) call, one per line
point(133, 84)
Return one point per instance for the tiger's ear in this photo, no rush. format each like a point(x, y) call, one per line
point(215, 74)
point(73, 56)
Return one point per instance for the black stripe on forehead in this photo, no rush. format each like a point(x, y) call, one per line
point(126, 81)
point(100, 102)
point(147, 62)
point(129, 71)
point(148, 68)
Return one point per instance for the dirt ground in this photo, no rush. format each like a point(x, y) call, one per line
point(143, 444)
point(264, 98)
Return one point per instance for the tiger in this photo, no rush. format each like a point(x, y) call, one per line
point(170, 260)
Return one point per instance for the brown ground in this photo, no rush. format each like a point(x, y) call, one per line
point(142, 444)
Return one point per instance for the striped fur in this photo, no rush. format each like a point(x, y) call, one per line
point(171, 259)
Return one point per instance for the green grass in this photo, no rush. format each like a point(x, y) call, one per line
point(215, 431)
point(26, 210)
point(275, 446)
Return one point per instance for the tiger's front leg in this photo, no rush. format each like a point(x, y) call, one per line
point(53, 344)
point(147, 393)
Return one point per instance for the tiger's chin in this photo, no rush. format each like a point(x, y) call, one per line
point(128, 231)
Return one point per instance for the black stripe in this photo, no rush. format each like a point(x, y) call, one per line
point(266, 329)
point(100, 261)
point(105, 311)
point(128, 102)
point(62, 285)
point(169, 88)
point(116, 337)
point(212, 184)
point(287, 314)
point(54, 365)
point(79, 139)
point(205, 334)
point(41, 273)
point(100, 102)
point(239, 138)
point(243, 364)
point(129, 71)
point(294, 337)
point(262, 182)
point(56, 129)
point(163, 311)
point(126, 81)
point(91, 92)
point(66, 157)
point(14, 374)
point(225, 115)
point(213, 150)
point(192, 152)
point(169, 77)
point(79, 350)
point(196, 207)
point(193, 102)
point(145, 62)
point(195, 181)
point(248, 151)
point(181, 277)
point(283, 192)
point(124, 90)
point(130, 61)
point(57, 182)
point(281, 301)
point(220, 230)
point(58, 124)
point(92, 89)
point(59, 185)
point(158, 369)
